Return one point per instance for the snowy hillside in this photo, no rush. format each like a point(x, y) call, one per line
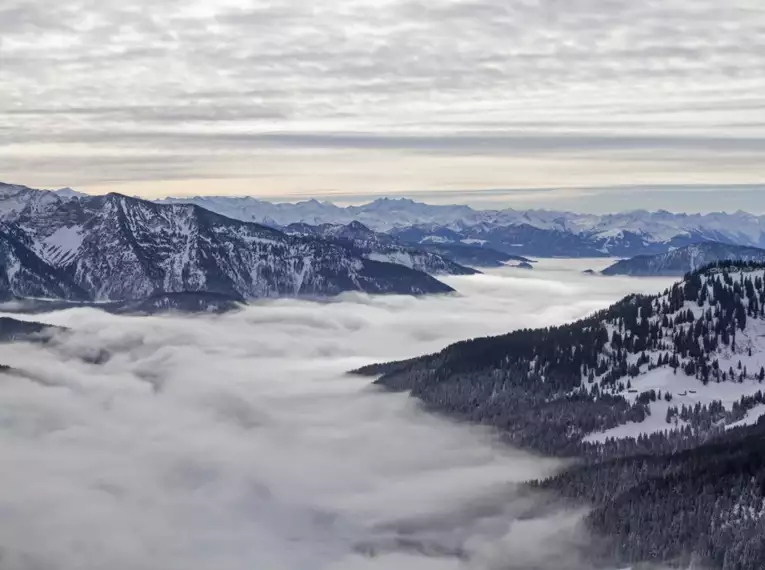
point(700, 344)
point(680, 261)
point(660, 398)
point(24, 274)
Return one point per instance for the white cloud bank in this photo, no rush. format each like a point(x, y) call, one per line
point(236, 442)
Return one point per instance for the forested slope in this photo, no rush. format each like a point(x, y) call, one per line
point(654, 395)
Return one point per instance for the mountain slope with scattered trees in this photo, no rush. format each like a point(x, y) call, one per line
point(655, 396)
point(702, 507)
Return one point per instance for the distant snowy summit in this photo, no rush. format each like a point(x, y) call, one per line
point(680, 261)
point(513, 232)
point(69, 193)
point(381, 215)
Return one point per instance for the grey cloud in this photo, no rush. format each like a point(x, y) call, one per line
point(164, 113)
point(27, 18)
point(520, 142)
point(392, 70)
point(480, 143)
point(141, 167)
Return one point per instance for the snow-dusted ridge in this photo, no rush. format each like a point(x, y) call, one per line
point(680, 261)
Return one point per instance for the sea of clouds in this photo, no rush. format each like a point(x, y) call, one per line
point(237, 442)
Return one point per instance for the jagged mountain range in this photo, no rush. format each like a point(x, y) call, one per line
point(114, 247)
point(683, 260)
point(380, 215)
point(660, 398)
point(515, 232)
point(509, 232)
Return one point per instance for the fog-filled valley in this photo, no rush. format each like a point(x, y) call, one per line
point(238, 441)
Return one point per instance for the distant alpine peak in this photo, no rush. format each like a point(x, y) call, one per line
point(387, 213)
point(69, 193)
point(387, 201)
point(356, 225)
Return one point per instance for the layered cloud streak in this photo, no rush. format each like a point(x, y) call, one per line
point(256, 92)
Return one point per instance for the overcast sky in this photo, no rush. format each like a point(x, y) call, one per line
point(448, 100)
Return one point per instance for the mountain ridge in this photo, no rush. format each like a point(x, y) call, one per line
point(116, 247)
point(635, 221)
point(534, 232)
point(683, 260)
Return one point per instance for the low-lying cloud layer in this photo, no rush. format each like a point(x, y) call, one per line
point(236, 442)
